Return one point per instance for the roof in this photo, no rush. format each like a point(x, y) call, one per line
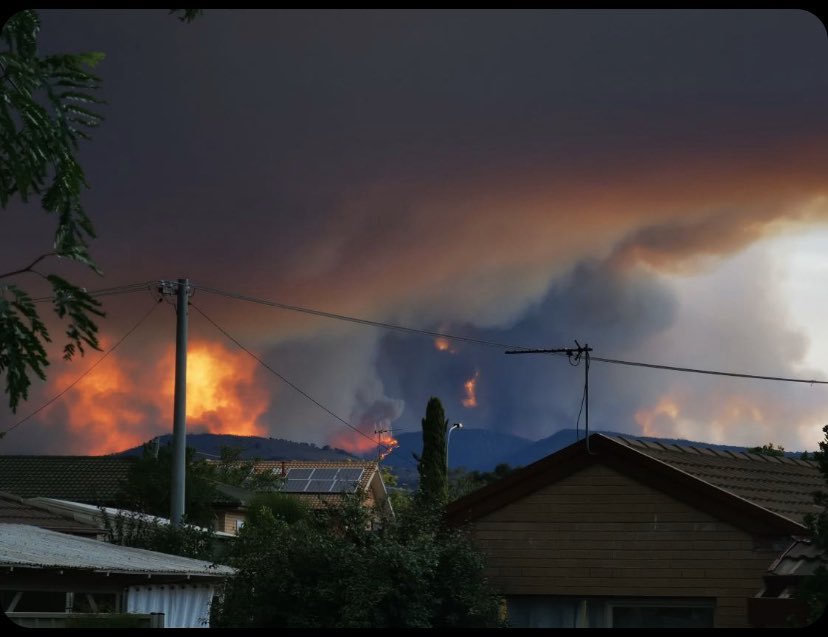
point(313, 498)
point(800, 559)
point(779, 484)
point(30, 547)
point(91, 514)
point(763, 494)
point(90, 479)
point(13, 510)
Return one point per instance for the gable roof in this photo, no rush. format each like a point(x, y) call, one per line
point(23, 546)
point(779, 484)
point(13, 510)
point(761, 494)
point(90, 479)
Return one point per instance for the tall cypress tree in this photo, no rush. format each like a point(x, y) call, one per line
point(432, 463)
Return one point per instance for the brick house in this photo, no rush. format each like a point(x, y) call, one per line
point(628, 532)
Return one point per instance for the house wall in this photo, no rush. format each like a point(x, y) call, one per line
point(598, 532)
point(226, 521)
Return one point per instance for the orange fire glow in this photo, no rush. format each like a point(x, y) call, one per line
point(357, 444)
point(442, 344)
point(652, 420)
point(123, 403)
point(222, 393)
point(470, 401)
point(103, 410)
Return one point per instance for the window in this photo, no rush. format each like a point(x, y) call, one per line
point(655, 613)
point(540, 611)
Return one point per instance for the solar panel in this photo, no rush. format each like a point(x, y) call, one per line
point(299, 474)
point(350, 474)
point(324, 474)
point(344, 486)
point(294, 486)
point(319, 486)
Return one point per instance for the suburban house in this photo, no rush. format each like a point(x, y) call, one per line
point(621, 532)
point(46, 575)
point(317, 483)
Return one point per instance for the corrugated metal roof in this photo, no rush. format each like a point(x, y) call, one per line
point(782, 485)
point(13, 510)
point(23, 546)
point(91, 514)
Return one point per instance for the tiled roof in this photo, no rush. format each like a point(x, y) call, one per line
point(801, 559)
point(14, 511)
point(762, 494)
point(23, 546)
point(779, 484)
point(90, 479)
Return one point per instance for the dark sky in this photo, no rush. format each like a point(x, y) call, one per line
point(623, 178)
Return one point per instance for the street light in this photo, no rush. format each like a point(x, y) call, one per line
point(457, 425)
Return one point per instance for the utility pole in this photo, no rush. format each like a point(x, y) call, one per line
point(379, 433)
point(182, 290)
point(577, 352)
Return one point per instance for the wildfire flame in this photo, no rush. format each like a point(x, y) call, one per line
point(470, 401)
point(221, 390)
point(123, 403)
point(362, 445)
point(442, 344)
point(653, 420)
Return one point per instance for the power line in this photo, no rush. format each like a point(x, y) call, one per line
point(352, 319)
point(516, 348)
point(285, 380)
point(82, 376)
point(111, 291)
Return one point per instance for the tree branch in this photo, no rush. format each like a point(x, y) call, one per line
point(30, 267)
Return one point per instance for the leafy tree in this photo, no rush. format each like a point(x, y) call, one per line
point(334, 571)
point(45, 110)
point(281, 506)
point(464, 482)
point(47, 106)
point(432, 466)
point(148, 484)
point(769, 450)
point(400, 497)
point(814, 590)
point(231, 469)
point(137, 531)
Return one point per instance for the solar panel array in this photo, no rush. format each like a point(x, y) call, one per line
point(322, 480)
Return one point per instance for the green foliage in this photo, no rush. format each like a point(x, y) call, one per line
point(187, 15)
point(814, 590)
point(231, 469)
point(280, 506)
point(464, 482)
point(769, 450)
point(334, 571)
point(46, 108)
point(148, 483)
point(147, 486)
point(137, 531)
point(433, 486)
point(399, 497)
